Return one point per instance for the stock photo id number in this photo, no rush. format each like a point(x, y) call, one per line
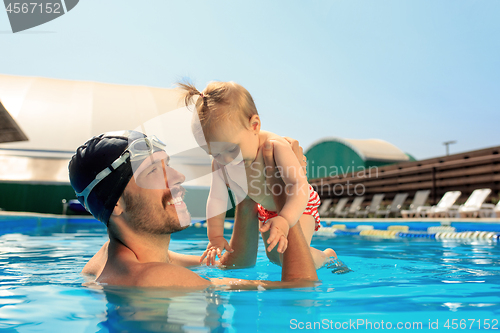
point(25, 15)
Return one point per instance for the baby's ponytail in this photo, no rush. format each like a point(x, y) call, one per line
point(190, 92)
point(220, 101)
point(201, 104)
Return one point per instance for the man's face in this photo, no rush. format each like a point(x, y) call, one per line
point(154, 198)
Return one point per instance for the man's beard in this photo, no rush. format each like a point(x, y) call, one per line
point(149, 219)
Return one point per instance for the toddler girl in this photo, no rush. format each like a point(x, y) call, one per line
point(229, 130)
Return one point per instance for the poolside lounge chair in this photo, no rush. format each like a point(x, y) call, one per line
point(394, 207)
point(490, 210)
point(473, 205)
point(340, 206)
point(443, 207)
point(416, 206)
point(325, 206)
point(354, 207)
point(373, 207)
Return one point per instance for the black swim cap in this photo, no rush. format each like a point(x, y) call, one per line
point(93, 157)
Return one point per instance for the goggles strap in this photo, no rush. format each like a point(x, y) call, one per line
point(100, 176)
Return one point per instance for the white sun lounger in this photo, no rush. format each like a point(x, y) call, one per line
point(473, 205)
point(353, 208)
point(444, 205)
point(394, 207)
point(340, 207)
point(325, 206)
point(374, 206)
point(490, 210)
point(416, 206)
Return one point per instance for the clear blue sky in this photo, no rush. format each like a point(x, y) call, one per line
point(415, 73)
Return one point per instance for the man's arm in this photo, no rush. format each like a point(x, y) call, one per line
point(184, 260)
point(298, 267)
point(158, 274)
point(245, 238)
point(298, 264)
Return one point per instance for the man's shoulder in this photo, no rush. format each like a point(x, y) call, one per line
point(96, 264)
point(159, 274)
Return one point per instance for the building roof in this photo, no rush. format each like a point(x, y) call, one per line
point(369, 149)
point(60, 115)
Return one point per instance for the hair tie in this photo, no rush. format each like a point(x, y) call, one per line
point(204, 99)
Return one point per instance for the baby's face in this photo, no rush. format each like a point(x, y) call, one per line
point(231, 143)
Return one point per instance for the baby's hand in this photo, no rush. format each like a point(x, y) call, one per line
point(279, 232)
point(214, 249)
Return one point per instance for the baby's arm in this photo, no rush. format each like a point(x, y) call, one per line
point(297, 189)
point(216, 213)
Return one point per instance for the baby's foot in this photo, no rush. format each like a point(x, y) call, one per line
point(330, 253)
point(337, 266)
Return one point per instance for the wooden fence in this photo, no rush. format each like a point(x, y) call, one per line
point(464, 172)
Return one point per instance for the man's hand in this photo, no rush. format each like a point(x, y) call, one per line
point(279, 232)
point(214, 249)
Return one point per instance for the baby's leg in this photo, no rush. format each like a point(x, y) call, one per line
point(308, 224)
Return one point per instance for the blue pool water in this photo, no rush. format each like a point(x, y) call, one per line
point(394, 283)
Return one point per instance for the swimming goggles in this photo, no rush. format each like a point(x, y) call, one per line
point(137, 150)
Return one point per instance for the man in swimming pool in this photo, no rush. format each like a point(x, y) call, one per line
point(124, 180)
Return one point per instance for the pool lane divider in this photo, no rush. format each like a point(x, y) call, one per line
point(434, 230)
point(385, 234)
point(398, 227)
point(467, 235)
point(440, 233)
point(393, 231)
